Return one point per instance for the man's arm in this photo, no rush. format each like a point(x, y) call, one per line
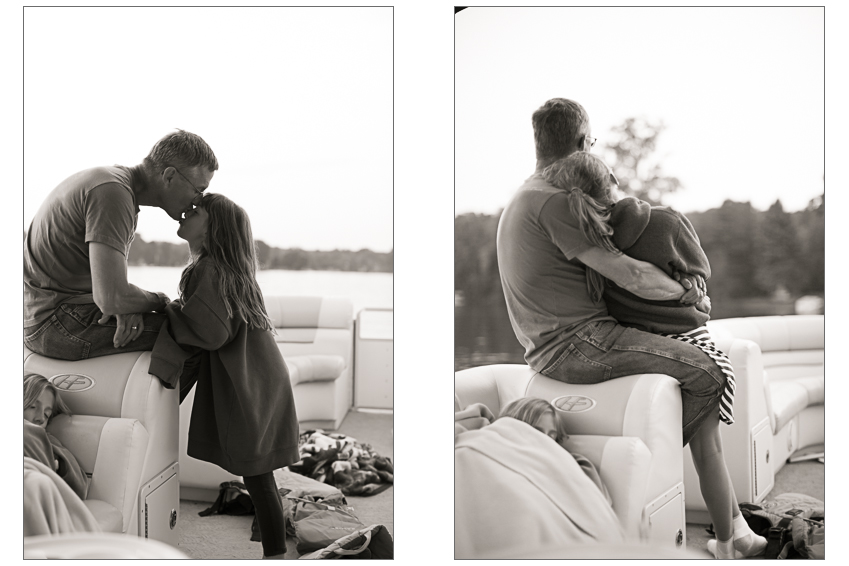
point(113, 294)
point(644, 279)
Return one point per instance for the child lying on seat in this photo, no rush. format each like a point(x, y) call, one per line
point(41, 404)
point(542, 415)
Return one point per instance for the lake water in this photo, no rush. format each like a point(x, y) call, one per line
point(365, 289)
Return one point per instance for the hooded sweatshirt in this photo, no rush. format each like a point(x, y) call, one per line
point(665, 238)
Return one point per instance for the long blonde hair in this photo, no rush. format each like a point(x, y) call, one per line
point(530, 409)
point(34, 386)
point(587, 181)
point(229, 244)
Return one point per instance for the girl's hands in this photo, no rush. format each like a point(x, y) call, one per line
point(695, 285)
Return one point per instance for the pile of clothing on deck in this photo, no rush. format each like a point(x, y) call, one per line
point(313, 492)
point(341, 461)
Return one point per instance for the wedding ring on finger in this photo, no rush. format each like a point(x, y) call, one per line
point(135, 328)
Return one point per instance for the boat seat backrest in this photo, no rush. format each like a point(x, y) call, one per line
point(777, 333)
point(123, 426)
point(312, 325)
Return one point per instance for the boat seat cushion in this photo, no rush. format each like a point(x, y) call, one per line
point(314, 367)
point(309, 312)
point(789, 398)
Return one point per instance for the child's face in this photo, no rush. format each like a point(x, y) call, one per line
point(546, 425)
point(40, 412)
point(193, 227)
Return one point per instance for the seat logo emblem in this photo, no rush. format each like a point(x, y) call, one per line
point(72, 382)
point(573, 403)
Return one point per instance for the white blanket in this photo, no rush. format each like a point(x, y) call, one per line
point(515, 487)
point(50, 505)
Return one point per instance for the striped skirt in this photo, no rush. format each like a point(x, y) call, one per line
point(701, 339)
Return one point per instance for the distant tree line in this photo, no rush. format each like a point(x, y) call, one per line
point(754, 253)
point(296, 259)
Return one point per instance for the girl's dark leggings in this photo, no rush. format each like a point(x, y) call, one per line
point(269, 512)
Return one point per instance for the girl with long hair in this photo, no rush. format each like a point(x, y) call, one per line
point(41, 400)
point(243, 416)
point(589, 184)
point(41, 404)
point(667, 239)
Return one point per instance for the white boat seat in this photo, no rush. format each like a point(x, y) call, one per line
point(123, 432)
point(793, 355)
point(630, 428)
point(791, 397)
point(317, 367)
point(321, 329)
point(779, 406)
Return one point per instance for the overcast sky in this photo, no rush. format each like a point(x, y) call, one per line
point(295, 103)
point(741, 91)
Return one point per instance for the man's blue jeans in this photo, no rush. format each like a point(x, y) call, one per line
point(605, 350)
point(73, 333)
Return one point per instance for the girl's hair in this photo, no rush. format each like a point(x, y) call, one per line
point(588, 181)
point(529, 410)
point(34, 386)
point(229, 244)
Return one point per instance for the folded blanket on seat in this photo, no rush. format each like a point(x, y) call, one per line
point(42, 446)
point(514, 487)
point(473, 417)
point(50, 505)
point(341, 461)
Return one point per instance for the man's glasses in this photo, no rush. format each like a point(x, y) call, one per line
point(199, 192)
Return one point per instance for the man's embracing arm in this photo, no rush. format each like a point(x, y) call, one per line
point(644, 279)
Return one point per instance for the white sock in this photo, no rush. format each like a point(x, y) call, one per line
point(724, 549)
point(745, 540)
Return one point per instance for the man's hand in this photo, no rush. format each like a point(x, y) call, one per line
point(130, 327)
point(704, 306)
point(165, 300)
point(695, 285)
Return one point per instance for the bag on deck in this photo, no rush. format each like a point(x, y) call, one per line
point(372, 542)
point(317, 524)
point(793, 524)
point(233, 499)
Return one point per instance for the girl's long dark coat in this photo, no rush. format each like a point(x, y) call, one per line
point(243, 417)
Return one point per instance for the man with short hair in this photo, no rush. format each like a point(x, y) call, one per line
point(77, 301)
point(542, 255)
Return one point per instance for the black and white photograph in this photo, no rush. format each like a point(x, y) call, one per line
point(639, 282)
point(238, 224)
point(208, 268)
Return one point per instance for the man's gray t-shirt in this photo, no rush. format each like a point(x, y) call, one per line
point(544, 284)
point(95, 205)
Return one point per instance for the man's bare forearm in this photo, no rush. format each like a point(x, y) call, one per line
point(132, 299)
point(644, 279)
point(650, 282)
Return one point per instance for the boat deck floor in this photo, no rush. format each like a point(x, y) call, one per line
point(228, 536)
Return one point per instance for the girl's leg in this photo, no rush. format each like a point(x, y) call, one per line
point(269, 513)
point(719, 496)
point(746, 542)
point(715, 483)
